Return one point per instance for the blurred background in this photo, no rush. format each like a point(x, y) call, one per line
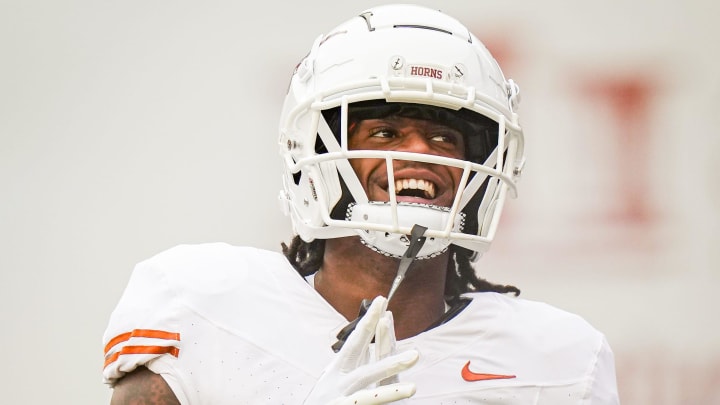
point(129, 127)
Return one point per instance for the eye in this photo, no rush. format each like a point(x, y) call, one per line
point(383, 132)
point(449, 137)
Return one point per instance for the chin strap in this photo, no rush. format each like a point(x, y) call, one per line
point(416, 242)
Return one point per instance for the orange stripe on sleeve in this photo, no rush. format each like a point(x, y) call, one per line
point(111, 359)
point(142, 350)
point(117, 339)
point(144, 333)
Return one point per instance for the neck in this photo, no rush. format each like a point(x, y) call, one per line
point(351, 272)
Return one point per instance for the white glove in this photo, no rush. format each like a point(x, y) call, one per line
point(385, 343)
point(351, 378)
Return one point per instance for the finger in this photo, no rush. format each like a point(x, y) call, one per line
point(372, 373)
point(385, 343)
point(385, 336)
point(381, 395)
point(354, 352)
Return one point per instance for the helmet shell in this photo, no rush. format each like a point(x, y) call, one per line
point(397, 53)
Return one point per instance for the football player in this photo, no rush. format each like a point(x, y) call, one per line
point(401, 142)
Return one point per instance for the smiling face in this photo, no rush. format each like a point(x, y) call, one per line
point(414, 181)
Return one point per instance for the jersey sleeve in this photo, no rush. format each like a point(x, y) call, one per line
point(604, 384)
point(145, 325)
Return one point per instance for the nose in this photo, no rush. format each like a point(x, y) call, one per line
point(416, 141)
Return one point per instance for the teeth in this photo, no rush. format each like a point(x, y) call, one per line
point(415, 184)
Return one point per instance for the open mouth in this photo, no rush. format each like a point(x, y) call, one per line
point(415, 188)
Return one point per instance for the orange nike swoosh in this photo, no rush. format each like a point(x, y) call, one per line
point(468, 375)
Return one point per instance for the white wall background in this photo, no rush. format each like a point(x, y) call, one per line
point(129, 127)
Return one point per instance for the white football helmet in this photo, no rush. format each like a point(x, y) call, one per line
point(397, 54)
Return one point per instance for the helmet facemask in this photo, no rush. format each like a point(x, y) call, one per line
point(384, 226)
point(480, 139)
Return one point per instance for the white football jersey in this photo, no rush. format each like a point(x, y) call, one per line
point(238, 325)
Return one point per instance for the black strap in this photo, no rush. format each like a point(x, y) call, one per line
point(416, 242)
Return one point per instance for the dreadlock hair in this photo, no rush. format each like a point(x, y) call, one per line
point(306, 258)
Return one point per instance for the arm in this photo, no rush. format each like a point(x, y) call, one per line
point(142, 386)
point(141, 329)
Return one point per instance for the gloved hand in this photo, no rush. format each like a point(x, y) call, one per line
point(385, 343)
point(352, 378)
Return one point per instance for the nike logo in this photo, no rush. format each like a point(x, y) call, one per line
point(468, 375)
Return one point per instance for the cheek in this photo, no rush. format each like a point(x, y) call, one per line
point(454, 151)
point(360, 167)
point(365, 169)
point(456, 175)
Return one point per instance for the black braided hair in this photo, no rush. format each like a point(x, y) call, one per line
point(306, 258)
point(462, 278)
